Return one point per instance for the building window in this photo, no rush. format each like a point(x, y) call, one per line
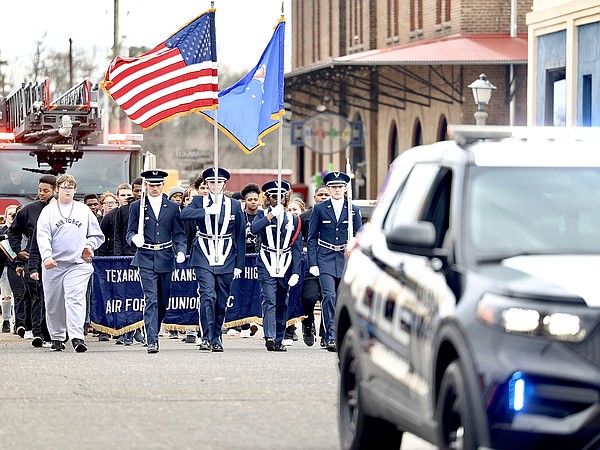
point(393, 28)
point(355, 19)
point(359, 167)
point(416, 15)
point(442, 11)
point(316, 31)
point(556, 98)
point(417, 134)
point(442, 132)
point(393, 146)
point(586, 113)
point(300, 32)
point(331, 28)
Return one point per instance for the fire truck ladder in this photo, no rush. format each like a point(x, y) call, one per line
point(57, 130)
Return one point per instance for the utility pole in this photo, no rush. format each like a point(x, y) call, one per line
point(70, 62)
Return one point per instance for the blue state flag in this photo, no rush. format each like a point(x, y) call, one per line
point(251, 108)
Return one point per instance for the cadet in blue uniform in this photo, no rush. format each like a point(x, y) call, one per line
point(327, 239)
point(162, 243)
point(218, 254)
point(278, 268)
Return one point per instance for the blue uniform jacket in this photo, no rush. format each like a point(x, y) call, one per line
point(168, 227)
point(324, 226)
point(232, 239)
point(261, 224)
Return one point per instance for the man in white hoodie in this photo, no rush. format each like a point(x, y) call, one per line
point(68, 233)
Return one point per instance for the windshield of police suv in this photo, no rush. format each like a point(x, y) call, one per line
point(525, 210)
point(96, 172)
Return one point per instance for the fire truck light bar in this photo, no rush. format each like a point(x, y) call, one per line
point(7, 136)
point(112, 138)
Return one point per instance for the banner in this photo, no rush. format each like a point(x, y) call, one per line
point(118, 300)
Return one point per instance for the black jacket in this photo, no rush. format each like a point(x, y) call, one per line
point(24, 225)
point(121, 246)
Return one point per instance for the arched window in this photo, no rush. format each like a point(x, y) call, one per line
point(393, 143)
point(359, 167)
point(417, 134)
point(442, 131)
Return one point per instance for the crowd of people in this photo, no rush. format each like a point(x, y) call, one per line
point(49, 244)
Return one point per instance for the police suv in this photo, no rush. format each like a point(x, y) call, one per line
point(468, 313)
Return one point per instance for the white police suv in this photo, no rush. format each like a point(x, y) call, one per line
point(469, 309)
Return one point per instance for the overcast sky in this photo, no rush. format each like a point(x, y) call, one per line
point(244, 27)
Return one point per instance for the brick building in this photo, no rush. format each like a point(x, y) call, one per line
point(401, 68)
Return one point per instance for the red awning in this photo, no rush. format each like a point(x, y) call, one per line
point(464, 49)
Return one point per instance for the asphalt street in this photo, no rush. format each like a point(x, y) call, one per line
point(121, 397)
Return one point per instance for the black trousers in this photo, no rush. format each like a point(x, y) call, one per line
point(38, 311)
point(311, 294)
point(17, 284)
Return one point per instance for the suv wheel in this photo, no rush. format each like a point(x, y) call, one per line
point(454, 412)
point(358, 430)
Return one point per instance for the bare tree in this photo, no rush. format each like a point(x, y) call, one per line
point(54, 64)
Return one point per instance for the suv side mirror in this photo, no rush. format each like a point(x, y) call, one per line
point(416, 238)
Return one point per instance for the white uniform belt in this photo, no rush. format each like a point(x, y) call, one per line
point(158, 246)
point(335, 248)
point(274, 250)
point(213, 236)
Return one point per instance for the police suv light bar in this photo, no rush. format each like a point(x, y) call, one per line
point(466, 134)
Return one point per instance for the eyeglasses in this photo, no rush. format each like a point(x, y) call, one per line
point(110, 203)
point(67, 188)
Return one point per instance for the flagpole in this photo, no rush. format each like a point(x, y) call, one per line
point(349, 195)
point(279, 196)
point(216, 159)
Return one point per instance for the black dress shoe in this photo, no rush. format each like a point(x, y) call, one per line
point(205, 345)
point(279, 348)
point(153, 348)
point(217, 348)
point(270, 344)
point(331, 346)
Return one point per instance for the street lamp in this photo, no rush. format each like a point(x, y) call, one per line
point(482, 92)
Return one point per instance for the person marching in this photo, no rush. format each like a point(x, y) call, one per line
point(160, 241)
point(279, 261)
point(218, 254)
point(327, 239)
point(67, 234)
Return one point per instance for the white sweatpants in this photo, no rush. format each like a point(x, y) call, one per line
point(5, 295)
point(64, 292)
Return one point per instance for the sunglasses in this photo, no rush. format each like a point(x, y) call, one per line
point(275, 196)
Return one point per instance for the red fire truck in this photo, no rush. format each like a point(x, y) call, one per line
point(39, 136)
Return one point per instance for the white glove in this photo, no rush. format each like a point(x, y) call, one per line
point(237, 273)
point(293, 281)
point(277, 210)
point(137, 240)
point(180, 257)
point(213, 209)
point(314, 270)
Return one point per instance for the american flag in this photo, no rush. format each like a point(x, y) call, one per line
point(176, 78)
